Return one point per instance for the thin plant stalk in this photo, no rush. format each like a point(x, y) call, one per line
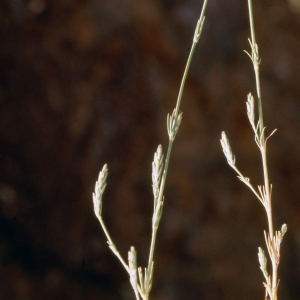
point(141, 280)
point(177, 116)
point(264, 192)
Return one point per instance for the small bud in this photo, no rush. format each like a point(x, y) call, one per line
point(250, 110)
point(282, 232)
point(283, 229)
point(99, 190)
point(132, 264)
point(173, 123)
point(262, 261)
point(157, 167)
point(198, 30)
point(227, 150)
point(132, 259)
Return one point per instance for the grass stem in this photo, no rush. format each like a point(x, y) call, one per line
point(140, 281)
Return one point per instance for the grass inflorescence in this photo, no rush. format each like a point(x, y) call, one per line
point(141, 279)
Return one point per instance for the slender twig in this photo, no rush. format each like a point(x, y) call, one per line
point(140, 281)
point(264, 192)
point(176, 119)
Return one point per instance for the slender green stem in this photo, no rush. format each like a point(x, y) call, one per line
point(184, 78)
point(256, 62)
point(256, 65)
point(152, 247)
point(116, 252)
point(268, 204)
point(177, 111)
point(273, 239)
point(243, 179)
point(200, 23)
point(142, 289)
point(112, 244)
point(251, 20)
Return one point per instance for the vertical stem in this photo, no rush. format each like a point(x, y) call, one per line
point(143, 287)
point(201, 19)
point(268, 204)
point(153, 239)
point(251, 20)
point(256, 65)
point(166, 165)
point(184, 78)
point(256, 62)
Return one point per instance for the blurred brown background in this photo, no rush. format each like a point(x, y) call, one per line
point(88, 82)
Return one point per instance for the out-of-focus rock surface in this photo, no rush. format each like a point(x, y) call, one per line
point(83, 83)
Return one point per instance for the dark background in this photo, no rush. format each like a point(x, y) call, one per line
point(83, 83)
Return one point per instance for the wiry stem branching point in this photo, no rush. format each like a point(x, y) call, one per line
point(140, 281)
point(264, 192)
